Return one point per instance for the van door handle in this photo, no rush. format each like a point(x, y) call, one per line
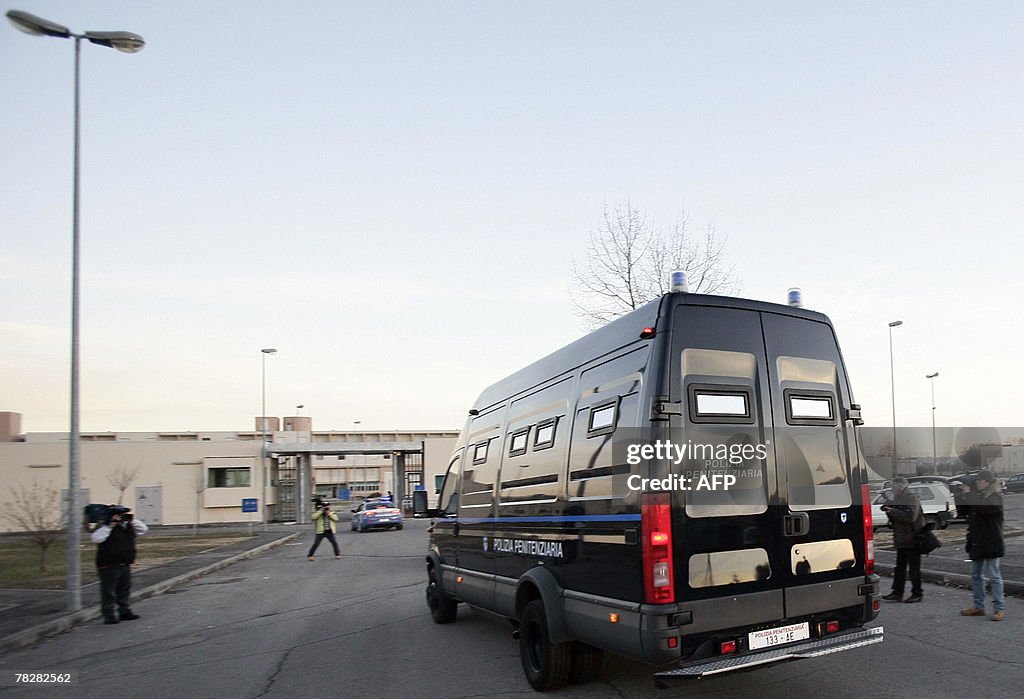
point(797, 524)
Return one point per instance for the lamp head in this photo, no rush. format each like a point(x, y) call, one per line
point(125, 42)
point(37, 26)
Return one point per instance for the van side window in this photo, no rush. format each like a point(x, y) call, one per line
point(483, 456)
point(805, 407)
point(533, 477)
point(544, 435)
point(480, 453)
point(448, 501)
point(607, 400)
point(602, 419)
point(518, 442)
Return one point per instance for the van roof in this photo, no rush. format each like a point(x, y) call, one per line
point(619, 333)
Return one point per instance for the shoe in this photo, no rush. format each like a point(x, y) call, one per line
point(338, 558)
point(310, 558)
point(109, 620)
point(972, 611)
point(893, 597)
point(913, 598)
point(130, 616)
point(997, 616)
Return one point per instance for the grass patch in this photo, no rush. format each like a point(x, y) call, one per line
point(19, 557)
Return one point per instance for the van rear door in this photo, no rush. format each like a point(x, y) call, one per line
point(766, 392)
point(822, 537)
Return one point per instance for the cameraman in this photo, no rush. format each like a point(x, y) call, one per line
point(907, 518)
point(325, 521)
point(114, 557)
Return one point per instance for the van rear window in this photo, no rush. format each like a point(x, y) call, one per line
point(810, 407)
point(720, 404)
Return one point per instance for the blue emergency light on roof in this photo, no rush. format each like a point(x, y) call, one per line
point(679, 281)
point(795, 297)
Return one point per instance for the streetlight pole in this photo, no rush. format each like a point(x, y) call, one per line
point(126, 42)
point(263, 427)
point(935, 458)
point(892, 379)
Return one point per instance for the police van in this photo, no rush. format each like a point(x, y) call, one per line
point(682, 486)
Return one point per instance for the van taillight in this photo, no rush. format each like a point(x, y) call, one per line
point(869, 531)
point(656, 528)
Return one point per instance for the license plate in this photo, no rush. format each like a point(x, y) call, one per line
point(767, 638)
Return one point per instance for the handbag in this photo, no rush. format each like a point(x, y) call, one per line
point(925, 540)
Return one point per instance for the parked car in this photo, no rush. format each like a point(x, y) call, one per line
point(936, 500)
point(376, 514)
point(1014, 484)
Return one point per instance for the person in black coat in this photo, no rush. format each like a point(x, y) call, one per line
point(114, 557)
point(904, 511)
point(984, 511)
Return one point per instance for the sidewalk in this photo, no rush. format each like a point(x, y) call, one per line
point(950, 564)
point(28, 616)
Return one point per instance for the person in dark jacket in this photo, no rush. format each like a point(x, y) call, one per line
point(984, 512)
point(904, 511)
point(114, 557)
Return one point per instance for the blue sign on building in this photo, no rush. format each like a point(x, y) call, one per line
point(250, 505)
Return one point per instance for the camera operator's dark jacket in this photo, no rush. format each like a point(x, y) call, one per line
point(907, 518)
point(117, 548)
point(984, 513)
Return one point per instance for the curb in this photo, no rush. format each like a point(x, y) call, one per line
point(36, 633)
point(1010, 587)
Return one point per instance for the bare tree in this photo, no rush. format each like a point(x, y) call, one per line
point(121, 479)
point(629, 261)
point(37, 509)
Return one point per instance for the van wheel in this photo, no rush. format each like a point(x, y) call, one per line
point(546, 664)
point(442, 608)
point(586, 663)
point(935, 522)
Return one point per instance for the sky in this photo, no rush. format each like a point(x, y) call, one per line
point(391, 194)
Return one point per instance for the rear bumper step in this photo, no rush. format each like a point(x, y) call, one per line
point(807, 649)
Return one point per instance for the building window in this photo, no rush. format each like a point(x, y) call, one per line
point(228, 478)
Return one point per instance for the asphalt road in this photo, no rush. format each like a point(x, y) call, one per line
point(281, 626)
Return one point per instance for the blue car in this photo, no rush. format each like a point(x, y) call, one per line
point(376, 514)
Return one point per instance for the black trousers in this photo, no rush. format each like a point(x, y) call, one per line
point(320, 537)
point(115, 588)
point(903, 558)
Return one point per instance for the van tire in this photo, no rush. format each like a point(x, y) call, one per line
point(442, 607)
point(935, 522)
point(546, 664)
point(586, 663)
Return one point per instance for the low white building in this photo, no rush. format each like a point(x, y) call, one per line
point(180, 478)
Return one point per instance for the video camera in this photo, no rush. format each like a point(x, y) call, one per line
point(96, 514)
point(320, 504)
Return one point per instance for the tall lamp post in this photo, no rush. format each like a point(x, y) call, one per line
point(126, 42)
point(263, 428)
point(935, 457)
point(892, 379)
